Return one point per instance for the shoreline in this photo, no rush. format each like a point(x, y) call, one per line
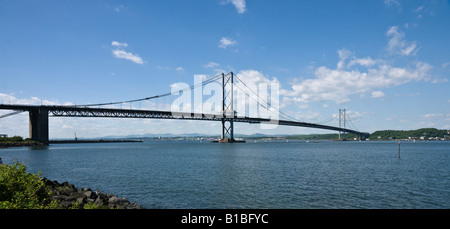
point(20, 144)
point(91, 141)
point(35, 143)
point(69, 196)
point(24, 190)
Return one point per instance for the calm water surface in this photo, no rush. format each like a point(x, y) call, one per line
point(294, 174)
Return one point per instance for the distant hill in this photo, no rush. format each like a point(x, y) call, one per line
point(420, 134)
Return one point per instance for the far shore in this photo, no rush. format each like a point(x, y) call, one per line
point(36, 143)
point(91, 141)
point(20, 144)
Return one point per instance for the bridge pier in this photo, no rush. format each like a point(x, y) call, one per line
point(39, 125)
point(227, 132)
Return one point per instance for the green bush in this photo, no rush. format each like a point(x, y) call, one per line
point(22, 190)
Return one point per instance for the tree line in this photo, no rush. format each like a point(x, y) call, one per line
point(424, 133)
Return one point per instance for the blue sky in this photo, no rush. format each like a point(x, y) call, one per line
point(387, 62)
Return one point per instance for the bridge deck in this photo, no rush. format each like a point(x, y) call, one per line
point(83, 111)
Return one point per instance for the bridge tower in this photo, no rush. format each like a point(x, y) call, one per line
point(228, 113)
point(342, 115)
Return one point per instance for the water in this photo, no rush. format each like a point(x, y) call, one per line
point(294, 174)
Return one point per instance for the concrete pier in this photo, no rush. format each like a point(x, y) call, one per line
point(39, 125)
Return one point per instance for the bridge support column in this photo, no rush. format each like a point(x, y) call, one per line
point(39, 125)
point(227, 132)
point(228, 109)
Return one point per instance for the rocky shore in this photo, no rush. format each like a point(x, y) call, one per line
point(69, 195)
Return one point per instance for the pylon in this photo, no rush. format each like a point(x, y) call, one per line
point(228, 113)
point(342, 115)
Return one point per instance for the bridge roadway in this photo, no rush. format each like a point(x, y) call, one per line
point(39, 117)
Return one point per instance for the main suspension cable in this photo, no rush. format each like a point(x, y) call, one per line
point(156, 96)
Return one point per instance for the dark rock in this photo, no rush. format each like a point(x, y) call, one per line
point(86, 189)
point(81, 200)
point(89, 194)
point(66, 204)
point(67, 195)
point(77, 195)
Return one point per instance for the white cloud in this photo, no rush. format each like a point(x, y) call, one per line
point(166, 68)
point(225, 42)
point(377, 94)
point(119, 44)
point(215, 67)
point(163, 68)
point(366, 62)
point(256, 94)
point(398, 45)
point(409, 95)
point(391, 2)
point(240, 5)
point(178, 86)
point(120, 53)
point(11, 99)
point(211, 65)
point(338, 84)
point(419, 11)
point(128, 55)
point(354, 75)
point(433, 116)
point(438, 80)
point(119, 8)
point(345, 54)
point(254, 77)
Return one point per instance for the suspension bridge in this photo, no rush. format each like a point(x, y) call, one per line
point(221, 108)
